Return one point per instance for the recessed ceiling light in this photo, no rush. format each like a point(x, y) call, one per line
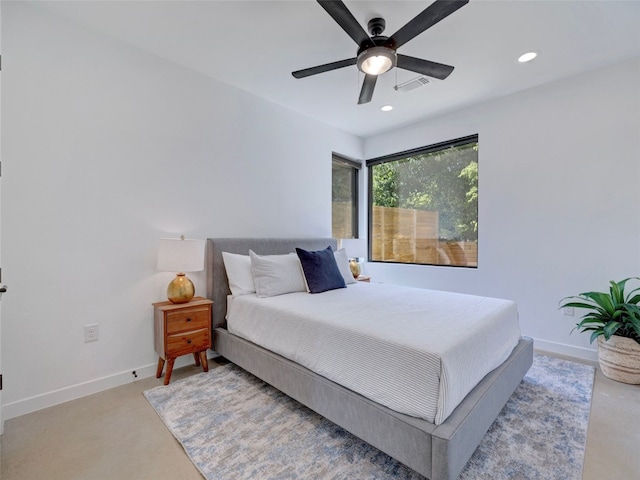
point(386, 108)
point(527, 57)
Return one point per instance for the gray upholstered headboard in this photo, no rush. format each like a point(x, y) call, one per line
point(217, 282)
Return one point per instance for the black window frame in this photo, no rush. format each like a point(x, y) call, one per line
point(398, 156)
point(355, 193)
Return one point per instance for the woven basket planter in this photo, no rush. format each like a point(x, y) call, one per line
point(619, 359)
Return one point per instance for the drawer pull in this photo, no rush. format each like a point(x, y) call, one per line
point(188, 319)
point(189, 341)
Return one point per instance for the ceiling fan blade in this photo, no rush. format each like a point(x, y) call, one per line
point(431, 15)
point(327, 67)
point(341, 14)
point(426, 67)
point(366, 94)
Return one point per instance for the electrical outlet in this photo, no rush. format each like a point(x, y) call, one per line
point(568, 311)
point(91, 333)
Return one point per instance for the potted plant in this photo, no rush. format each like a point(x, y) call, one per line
point(613, 319)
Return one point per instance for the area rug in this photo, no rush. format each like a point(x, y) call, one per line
point(233, 426)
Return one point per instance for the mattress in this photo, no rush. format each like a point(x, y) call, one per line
point(416, 351)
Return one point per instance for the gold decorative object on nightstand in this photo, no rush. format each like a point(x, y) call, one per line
point(181, 329)
point(354, 265)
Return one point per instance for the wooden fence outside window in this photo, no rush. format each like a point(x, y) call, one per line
point(409, 236)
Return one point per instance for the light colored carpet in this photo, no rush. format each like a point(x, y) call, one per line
point(234, 426)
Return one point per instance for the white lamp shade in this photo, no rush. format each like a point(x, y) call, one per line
point(181, 255)
point(355, 247)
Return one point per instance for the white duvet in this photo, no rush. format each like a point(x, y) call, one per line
point(419, 352)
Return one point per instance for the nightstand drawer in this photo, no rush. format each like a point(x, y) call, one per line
point(189, 342)
point(186, 320)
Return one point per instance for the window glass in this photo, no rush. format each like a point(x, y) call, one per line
point(424, 205)
point(344, 197)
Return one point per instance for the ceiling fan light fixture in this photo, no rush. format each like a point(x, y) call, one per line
point(376, 52)
point(376, 60)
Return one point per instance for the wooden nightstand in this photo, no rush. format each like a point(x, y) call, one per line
point(181, 329)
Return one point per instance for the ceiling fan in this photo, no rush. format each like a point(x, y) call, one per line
point(377, 53)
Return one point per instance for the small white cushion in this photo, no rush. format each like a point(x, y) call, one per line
point(277, 274)
point(343, 265)
point(238, 269)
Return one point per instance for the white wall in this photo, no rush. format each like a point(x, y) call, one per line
point(559, 200)
point(106, 149)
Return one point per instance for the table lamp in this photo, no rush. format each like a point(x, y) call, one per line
point(357, 250)
point(180, 255)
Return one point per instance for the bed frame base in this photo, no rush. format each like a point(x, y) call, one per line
point(438, 452)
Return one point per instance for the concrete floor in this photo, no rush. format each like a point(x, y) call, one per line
point(116, 435)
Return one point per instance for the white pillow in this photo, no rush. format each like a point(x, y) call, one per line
point(343, 265)
point(277, 274)
point(238, 269)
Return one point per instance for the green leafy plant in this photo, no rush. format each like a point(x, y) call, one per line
point(613, 313)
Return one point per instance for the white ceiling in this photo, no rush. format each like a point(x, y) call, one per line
point(255, 45)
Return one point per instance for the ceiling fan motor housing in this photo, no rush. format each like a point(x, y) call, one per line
point(376, 26)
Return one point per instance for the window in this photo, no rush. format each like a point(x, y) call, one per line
point(423, 205)
point(344, 197)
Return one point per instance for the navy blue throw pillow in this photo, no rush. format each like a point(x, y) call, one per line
point(320, 270)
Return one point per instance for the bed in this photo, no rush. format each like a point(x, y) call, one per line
point(436, 449)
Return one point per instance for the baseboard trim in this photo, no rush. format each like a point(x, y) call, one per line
point(581, 353)
point(56, 397)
